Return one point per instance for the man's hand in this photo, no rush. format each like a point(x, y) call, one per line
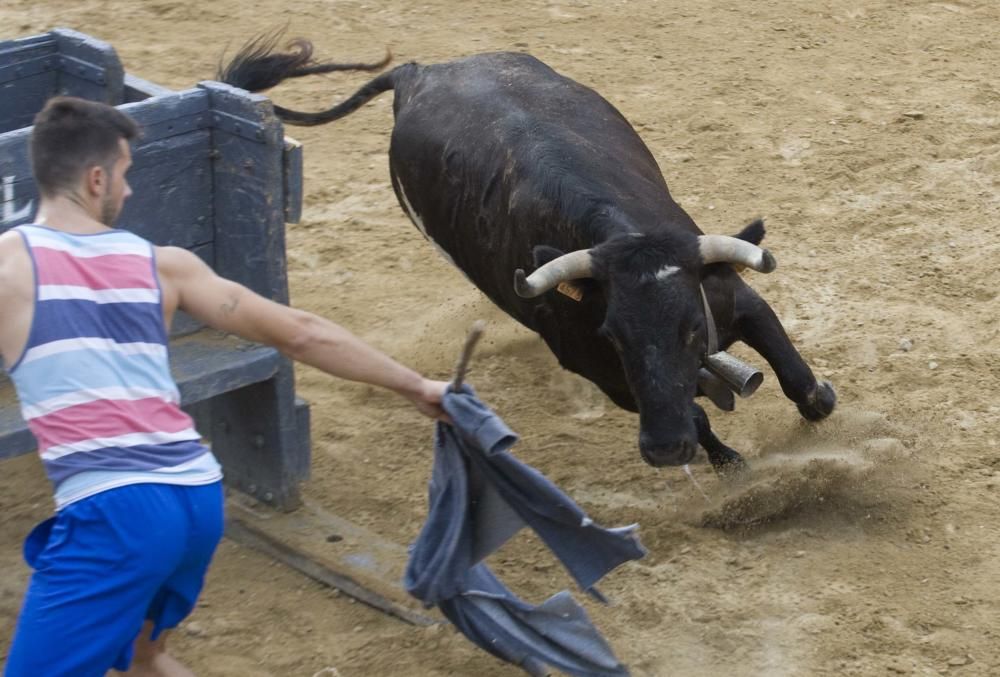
point(428, 397)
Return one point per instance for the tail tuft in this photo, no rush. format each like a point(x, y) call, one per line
point(259, 66)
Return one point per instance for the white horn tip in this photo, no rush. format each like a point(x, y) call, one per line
point(521, 286)
point(768, 262)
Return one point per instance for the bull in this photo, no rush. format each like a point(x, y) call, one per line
point(506, 165)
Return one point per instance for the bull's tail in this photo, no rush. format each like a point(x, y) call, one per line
point(258, 66)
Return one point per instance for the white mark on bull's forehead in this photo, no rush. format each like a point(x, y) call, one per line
point(419, 223)
point(666, 271)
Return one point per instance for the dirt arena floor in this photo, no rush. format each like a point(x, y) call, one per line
point(866, 131)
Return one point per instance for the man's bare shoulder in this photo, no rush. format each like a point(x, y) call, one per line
point(10, 242)
point(173, 255)
point(175, 261)
point(180, 270)
point(16, 281)
point(13, 257)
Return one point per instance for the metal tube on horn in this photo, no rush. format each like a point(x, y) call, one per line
point(738, 375)
point(715, 389)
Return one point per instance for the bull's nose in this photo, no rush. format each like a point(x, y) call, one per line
point(679, 452)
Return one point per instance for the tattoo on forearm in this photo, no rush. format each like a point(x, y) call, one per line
point(227, 309)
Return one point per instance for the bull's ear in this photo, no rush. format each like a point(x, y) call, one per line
point(753, 233)
point(543, 253)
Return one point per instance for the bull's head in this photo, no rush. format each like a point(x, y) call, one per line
point(656, 320)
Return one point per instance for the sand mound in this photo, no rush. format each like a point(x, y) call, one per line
point(791, 486)
point(842, 467)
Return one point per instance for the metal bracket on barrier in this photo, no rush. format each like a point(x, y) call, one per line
point(240, 127)
point(181, 125)
point(64, 64)
point(27, 68)
point(82, 69)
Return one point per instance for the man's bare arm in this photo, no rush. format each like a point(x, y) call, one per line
point(192, 286)
point(16, 296)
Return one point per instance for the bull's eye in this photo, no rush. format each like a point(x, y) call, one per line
point(692, 335)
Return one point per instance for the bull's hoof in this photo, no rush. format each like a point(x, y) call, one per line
point(729, 465)
point(734, 472)
point(820, 404)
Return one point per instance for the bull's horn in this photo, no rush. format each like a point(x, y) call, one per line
point(726, 249)
point(572, 266)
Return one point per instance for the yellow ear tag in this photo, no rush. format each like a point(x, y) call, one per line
point(571, 290)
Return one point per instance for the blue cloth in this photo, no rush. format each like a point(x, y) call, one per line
point(102, 566)
point(480, 496)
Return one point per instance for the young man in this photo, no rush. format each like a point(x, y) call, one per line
point(84, 316)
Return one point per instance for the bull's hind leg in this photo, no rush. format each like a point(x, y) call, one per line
point(726, 461)
point(760, 329)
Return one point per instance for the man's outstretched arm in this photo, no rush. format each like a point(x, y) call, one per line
point(192, 286)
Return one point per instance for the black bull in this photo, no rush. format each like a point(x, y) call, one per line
point(505, 164)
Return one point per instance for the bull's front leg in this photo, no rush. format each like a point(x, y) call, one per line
point(727, 462)
point(758, 327)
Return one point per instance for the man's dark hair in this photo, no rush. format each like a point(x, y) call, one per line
point(72, 135)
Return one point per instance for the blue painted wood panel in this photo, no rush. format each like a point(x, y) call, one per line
point(62, 61)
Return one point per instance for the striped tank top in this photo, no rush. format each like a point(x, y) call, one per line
point(93, 380)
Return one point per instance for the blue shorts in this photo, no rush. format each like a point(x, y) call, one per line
point(105, 564)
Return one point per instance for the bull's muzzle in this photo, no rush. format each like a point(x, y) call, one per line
point(676, 452)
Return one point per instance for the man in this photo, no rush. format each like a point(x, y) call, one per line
point(84, 314)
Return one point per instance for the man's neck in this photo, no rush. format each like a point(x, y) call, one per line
point(66, 214)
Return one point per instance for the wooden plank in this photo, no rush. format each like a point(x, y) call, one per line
point(60, 62)
point(332, 550)
point(303, 427)
point(29, 47)
point(19, 70)
point(138, 89)
point(15, 438)
point(82, 55)
point(18, 197)
point(150, 112)
point(292, 180)
point(171, 177)
point(23, 95)
point(249, 208)
point(254, 433)
point(23, 98)
point(210, 363)
point(18, 201)
point(254, 430)
point(171, 174)
point(171, 202)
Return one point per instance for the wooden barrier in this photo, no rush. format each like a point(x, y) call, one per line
point(212, 173)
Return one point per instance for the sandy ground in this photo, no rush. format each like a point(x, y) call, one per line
point(868, 132)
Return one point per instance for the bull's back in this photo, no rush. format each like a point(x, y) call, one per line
point(497, 153)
